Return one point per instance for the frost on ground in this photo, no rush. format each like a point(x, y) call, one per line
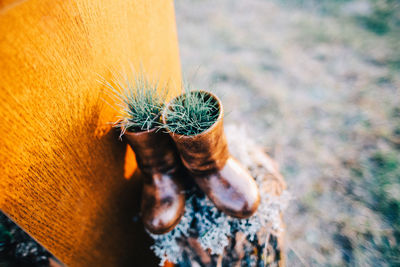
point(212, 228)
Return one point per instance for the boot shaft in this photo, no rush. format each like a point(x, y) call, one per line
point(155, 151)
point(206, 152)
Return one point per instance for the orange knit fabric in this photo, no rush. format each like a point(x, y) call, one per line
point(62, 167)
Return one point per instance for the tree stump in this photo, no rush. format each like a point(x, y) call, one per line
point(206, 237)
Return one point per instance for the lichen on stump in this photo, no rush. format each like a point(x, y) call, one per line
point(207, 237)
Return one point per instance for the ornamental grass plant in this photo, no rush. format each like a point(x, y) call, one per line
point(141, 102)
point(191, 113)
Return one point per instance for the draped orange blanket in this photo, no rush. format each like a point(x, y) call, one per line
point(62, 166)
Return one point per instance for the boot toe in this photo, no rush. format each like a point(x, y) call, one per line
point(232, 190)
point(163, 204)
point(237, 203)
point(164, 218)
point(245, 208)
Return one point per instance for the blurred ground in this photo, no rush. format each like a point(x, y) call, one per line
point(318, 85)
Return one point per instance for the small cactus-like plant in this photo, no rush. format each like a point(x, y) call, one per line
point(191, 113)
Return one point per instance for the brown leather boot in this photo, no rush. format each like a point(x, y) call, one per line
point(163, 199)
point(227, 183)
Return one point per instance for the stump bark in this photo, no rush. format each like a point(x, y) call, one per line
point(265, 250)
